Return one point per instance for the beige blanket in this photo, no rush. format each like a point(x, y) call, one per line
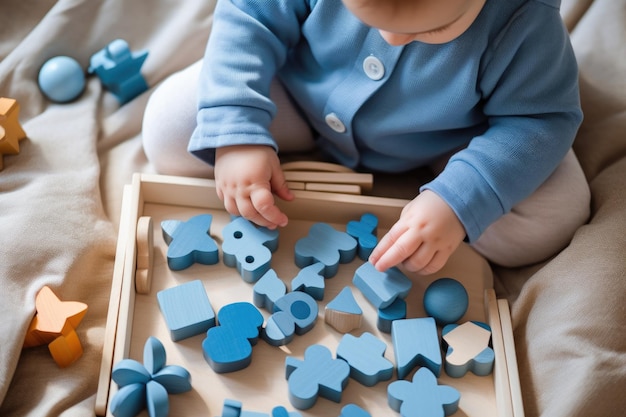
point(60, 202)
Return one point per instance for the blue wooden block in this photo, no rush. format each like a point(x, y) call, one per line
point(186, 309)
point(416, 342)
point(189, 242)
point(353, 410)
point(129, 400)
point(310, 279)
point(157, 401)
point(423, 396)
point(119, 70)
point(343, 312)
point(365, 355)
point(446, 300)
point(302, 308)
point(228, 346)
point(267, 290)
point(326, 245)
point(280, 329)
point(364, 231)
point(147, 385)
point(248, 248)
point(381, 288)
point(233, 408)
point(387, 315)
point(467, 349)
point(318, 374)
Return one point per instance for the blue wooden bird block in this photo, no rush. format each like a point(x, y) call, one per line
point(189, 242)
point(119, 70)
point(318, 374)
point(416, 342)
point(186, 309)
point(364, 231)
point(381, 288)
point(267, 290)
point(228, 346)
point(467, 349)
point(326, 245)
point(423, 396)
point(248, 248)
point(365, 355)
point(310, 279)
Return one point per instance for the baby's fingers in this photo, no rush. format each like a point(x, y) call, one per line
point(393, 249)
point(269, 215)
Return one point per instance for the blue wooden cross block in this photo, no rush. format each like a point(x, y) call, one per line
point(423, 396)
point(189, 242)
point(326, 245)
point(318, 374)
point(381, 288)
point(248, 248)
point(228, 346)
point(416, 342)
point(365, 355)
point(364, 231)
point(186, 309)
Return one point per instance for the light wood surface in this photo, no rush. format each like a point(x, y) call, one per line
point(263, 385)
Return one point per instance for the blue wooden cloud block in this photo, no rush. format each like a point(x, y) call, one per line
point(326, 245)
point(189, 242)
point(318, 374)
point(248, 248)
point(186, 309)
point(416, 342)
point(147, 386)
point(381, 288)
point(365, 355)
point(423, 396)
point(228, 346)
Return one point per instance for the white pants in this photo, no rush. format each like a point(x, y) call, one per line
point(535, 229)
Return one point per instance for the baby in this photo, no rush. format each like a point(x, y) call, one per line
point(483, 91)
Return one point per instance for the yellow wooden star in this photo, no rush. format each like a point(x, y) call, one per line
point(11, 131)
point(54, 324)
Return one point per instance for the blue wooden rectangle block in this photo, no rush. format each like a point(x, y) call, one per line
point(186, 309)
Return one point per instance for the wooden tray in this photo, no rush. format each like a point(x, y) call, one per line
point(133, 317)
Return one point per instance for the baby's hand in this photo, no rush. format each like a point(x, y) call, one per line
point(247, 177)
point(422, 239)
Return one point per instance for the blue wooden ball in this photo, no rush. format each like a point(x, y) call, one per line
point(446, 301)
point(61, 79)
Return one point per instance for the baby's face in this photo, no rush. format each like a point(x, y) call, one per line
point(428, 21)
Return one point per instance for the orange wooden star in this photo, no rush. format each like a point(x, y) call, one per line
point(54, 324)
point(11, 131)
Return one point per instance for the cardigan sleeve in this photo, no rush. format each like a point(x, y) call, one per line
point(248, 44)
point(529, 85)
